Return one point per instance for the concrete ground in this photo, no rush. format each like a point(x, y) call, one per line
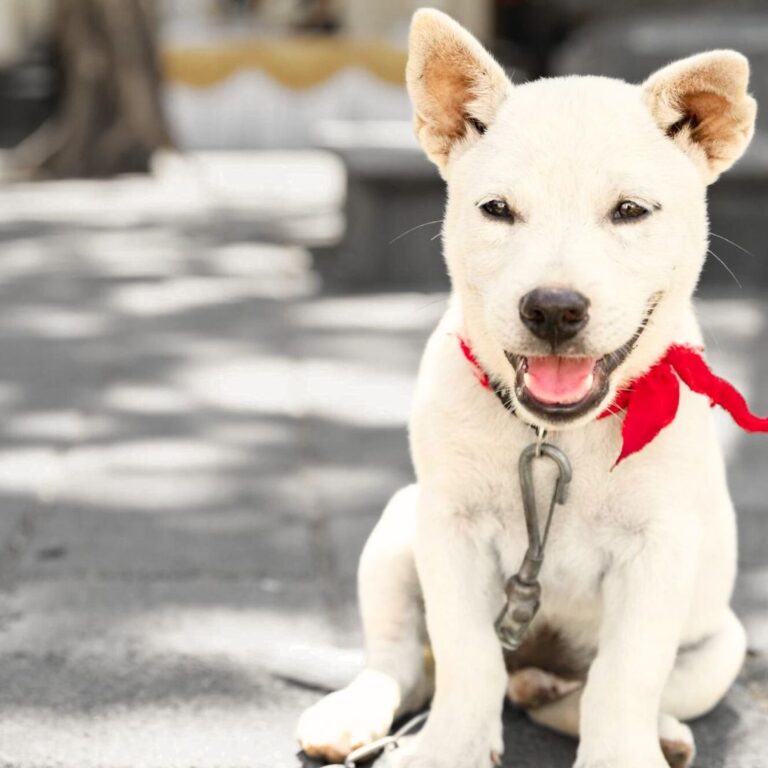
point(194, 445)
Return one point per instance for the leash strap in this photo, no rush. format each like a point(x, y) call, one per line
point(523, 589)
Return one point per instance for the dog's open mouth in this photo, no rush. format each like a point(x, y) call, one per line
point(561, 388)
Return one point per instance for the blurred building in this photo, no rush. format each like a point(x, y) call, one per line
point(268, 73)
point(277, 74)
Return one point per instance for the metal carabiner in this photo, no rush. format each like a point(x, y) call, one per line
point(385, 743)
point(523, 590)
point(564, 475)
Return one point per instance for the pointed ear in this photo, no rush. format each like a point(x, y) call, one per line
point(455, 85)
point(702, 104)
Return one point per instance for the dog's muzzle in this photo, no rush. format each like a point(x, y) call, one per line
point(560, 388)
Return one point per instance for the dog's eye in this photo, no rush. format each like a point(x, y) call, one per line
point(497, 209)
point(629, 210)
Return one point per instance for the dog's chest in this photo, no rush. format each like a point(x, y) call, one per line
point(578, 546)
point(574, 561)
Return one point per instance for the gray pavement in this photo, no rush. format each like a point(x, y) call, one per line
point(194, 445)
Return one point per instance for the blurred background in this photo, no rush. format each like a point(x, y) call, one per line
point(219, 262)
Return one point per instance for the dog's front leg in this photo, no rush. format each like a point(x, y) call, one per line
point(646, 599)
point(463, 595)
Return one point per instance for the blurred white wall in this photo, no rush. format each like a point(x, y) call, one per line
point(252, 111)
point(252, 108)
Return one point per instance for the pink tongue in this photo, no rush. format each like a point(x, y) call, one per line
point(559, 379)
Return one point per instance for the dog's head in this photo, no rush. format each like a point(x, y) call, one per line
point(576, 223)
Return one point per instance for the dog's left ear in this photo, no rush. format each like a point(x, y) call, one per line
point(702, 104)
point(455, 85)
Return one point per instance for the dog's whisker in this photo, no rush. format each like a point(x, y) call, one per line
point(413, 229)
point(434, 237)
point(735, 245)
point(726, 267)
point(431, 303)
point(709, 334)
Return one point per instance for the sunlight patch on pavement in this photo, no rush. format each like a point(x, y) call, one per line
point(247, 636)
point(382, 313)
point(248, 259)
point(131, 253)
point(163, 474)
point(36, 472)
point(147, 399)
point(158, 455)
point(185, 294)
point(53, 322)
point(60, 425)
point(165, 734)
point(254, 434)
point(358, 394)
point(176, 296)
point(139, 491)
point(339, 390)
point(260, 385)
point(194, 345)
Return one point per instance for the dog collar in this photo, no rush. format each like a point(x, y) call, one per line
point(650, 402)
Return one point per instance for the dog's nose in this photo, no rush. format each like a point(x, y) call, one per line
point(554, 314)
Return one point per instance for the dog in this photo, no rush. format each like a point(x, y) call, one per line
point(574, 234)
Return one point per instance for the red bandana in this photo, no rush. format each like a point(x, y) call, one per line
point(650, 402)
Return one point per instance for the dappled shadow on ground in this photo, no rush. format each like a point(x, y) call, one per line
point(194, 446)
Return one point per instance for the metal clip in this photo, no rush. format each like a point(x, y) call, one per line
point(523, 589)
point(386, 743)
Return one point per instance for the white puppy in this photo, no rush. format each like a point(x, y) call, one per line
point(574, 234)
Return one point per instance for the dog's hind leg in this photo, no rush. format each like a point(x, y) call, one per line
point(562, 715)
point(704, 672)
point(700, 678)
point(394, 680)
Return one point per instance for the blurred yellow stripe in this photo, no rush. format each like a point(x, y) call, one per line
point(296, 62)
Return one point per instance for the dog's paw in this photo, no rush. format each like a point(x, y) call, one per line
point(345, 720)
point(676, 742)
point(622, 760)
point(532, 688)
point(677, 748)
point(439, 746)
point(419, 759)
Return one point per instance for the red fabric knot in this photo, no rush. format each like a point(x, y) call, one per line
point(650, 402)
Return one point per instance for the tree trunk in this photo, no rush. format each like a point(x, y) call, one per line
point(110, 119)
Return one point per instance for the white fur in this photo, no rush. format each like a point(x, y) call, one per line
point(642, 559)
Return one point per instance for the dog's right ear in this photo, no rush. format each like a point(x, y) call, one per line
point(455, 85)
